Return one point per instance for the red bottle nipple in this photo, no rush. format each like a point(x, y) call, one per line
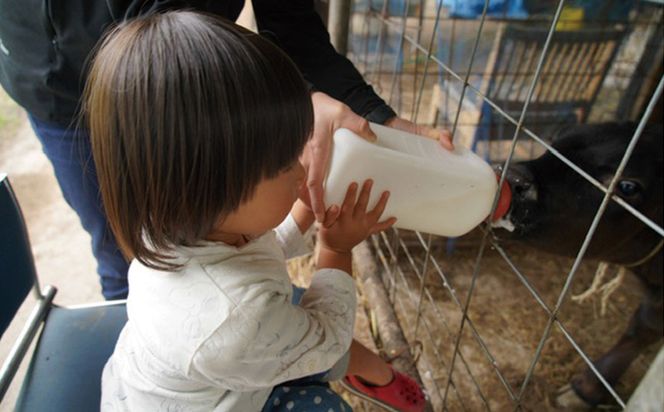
point(504, 200)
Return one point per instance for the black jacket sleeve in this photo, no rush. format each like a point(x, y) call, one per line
point(300, 31)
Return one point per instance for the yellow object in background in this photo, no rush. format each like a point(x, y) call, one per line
point(571, 18)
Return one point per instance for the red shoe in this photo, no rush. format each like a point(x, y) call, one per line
point(403, 394)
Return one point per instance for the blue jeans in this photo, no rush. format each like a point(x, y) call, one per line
point(69, 151)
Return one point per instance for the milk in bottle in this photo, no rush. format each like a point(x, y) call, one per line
point(431, 189)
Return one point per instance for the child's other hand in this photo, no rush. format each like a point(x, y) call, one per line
point(352, 223)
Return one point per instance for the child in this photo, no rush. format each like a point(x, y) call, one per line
point(196, 127)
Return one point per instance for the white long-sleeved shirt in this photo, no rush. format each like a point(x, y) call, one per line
point(221, 332)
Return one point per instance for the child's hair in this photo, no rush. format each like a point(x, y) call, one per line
point(187, 114)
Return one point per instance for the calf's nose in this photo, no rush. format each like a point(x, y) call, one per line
point(522, 183)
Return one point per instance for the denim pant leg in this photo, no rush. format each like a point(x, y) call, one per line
point(69, 151)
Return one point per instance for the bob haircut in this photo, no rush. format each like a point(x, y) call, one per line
point(187, 113)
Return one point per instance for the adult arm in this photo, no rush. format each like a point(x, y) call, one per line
point(300, 32)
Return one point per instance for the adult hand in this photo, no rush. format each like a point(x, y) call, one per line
point(443, 136)
point(329, 115)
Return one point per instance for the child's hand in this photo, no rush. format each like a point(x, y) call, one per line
point(354, 223)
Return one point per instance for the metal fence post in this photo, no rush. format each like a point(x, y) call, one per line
point(337, 24)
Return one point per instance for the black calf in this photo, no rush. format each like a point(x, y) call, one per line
point(552, 209)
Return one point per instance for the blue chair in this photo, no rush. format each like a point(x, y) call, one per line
point(74, 343)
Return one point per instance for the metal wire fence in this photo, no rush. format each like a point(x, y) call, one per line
point(439, 69)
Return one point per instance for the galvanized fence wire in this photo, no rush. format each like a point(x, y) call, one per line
point(496, 107)
point(440, 316)
point(388, 252)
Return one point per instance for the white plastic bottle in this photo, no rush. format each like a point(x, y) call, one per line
point(431, 189)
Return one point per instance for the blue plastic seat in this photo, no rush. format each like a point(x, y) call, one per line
point(74, 343)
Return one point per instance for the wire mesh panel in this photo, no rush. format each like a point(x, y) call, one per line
point(496, 325)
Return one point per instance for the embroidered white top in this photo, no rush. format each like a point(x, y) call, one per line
point(222, 331)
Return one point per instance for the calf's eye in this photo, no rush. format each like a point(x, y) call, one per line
point(628, 188)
